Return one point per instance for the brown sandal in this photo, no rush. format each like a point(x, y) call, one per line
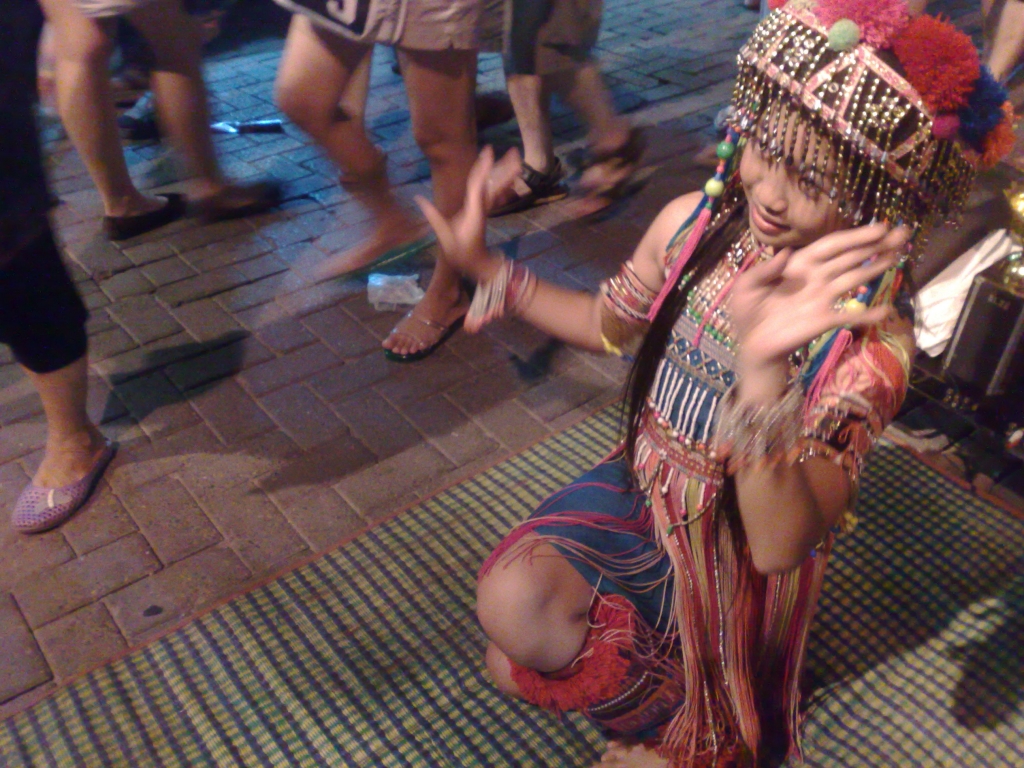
point(628, 158)
point(239, 200)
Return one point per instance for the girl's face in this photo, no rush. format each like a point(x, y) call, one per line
point(784, 210)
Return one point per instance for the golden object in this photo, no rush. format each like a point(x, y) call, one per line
point(1015, 196)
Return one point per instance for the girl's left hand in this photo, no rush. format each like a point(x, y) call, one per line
point(779, 306)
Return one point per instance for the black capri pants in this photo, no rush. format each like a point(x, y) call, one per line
point(42, 317)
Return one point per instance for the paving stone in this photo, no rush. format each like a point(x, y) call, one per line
point(304, 416)
point(148, 253)
point(170, 519)
point(341, 333)
point(450, 430)
point(373, 491)
point(224, 356)
point(197, 237)
point(378, 424)
point(201, 286)
point(285, 335)
point(99, 257)
point(330, 462)
point(156, 404)
point(511, 425)
point(80, 641)
point(129, 283)
point(261, 291)
point(231, 412)
point(143, 461)
point(142, 360)
point(281, 371)
point(24, 665)
point(21, 438)
point(167, 271)
point(438, 373)
point(253, 527)
point(176, 592)
point(56, 592)
point(144, 319)
point(561, 394)
point(242, 248)
point(319, 514)
point(205, 320)
point(98, 523)
point(483, 391)
point(110, 344)
point(21, 555)
point(337, 383)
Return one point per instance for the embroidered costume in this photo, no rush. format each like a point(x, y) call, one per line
point(691, 649)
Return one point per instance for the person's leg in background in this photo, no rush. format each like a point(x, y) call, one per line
point(83, 47)
point(1004, 36)
point(440, 85)
point(42, 317)
point(318, 72)
point(177, 82)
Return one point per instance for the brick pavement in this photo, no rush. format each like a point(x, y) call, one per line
point(259, 421)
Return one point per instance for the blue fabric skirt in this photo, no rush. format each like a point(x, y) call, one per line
point(603, 525)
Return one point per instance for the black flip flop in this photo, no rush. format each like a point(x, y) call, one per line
point(124, 227)
point(426, 352)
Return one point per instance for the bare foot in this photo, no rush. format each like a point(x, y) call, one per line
point(70, 459)
point(427, 323)
point(389, 234)
point(618, 755)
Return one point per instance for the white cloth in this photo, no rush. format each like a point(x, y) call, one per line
point(937, 306)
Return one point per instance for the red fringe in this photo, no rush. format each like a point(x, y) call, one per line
point(597, 673)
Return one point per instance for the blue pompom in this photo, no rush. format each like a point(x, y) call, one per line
point(984, 110)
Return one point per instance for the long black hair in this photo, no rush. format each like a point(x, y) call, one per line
point(710, 251)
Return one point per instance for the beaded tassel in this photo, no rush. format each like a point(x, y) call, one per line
point(712, 191)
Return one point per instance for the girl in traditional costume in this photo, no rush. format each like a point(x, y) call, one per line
point(667, 593)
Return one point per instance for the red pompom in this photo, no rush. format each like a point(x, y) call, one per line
point(940, 62)
point(1000, 140)
point(774, 5)
point(878, 20)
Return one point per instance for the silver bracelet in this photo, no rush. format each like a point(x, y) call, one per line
point(747, 433)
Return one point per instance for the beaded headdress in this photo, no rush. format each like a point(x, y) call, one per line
point(888, 114)
point(901, 106)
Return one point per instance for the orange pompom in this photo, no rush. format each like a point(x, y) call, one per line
point(1000, 140)
point(940, 62)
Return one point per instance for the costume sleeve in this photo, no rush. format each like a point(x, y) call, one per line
point(857, 404)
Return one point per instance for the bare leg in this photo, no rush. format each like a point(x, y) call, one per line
point(532, 104)
point(84, 100)
point(177, 82)
point(440, 85)
point(585, 91)
point(73, 444)
point(312, 80)
point(1007, 44)
point(534, 611)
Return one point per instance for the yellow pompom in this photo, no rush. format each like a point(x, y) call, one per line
point(853, 305)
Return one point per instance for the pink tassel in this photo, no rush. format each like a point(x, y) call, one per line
point(841, 343)
point(696, 233)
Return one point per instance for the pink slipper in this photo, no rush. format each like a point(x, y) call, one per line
point(40, 509)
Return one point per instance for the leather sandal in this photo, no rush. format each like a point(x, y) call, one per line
point(124, 227)
point(543, 188)
point(236, 201)
point(626, 158)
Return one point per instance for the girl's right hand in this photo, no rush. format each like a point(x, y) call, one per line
point(463, 238)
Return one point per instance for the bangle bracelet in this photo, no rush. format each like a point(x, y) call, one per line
point(506, 293)
point(747, 434)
